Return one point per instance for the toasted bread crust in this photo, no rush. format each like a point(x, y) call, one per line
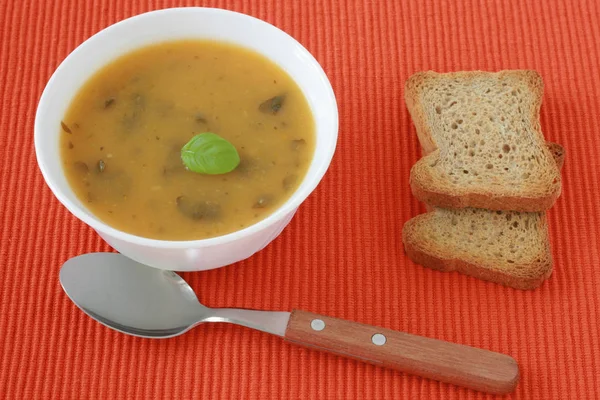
point(439, 197)
point(447, 198)
point(558, 152)
point(426, 253)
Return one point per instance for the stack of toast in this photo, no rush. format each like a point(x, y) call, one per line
point(487, 176)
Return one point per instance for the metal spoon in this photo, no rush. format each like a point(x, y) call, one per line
point(142, 301)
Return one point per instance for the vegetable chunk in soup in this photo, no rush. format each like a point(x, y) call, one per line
point(123, 135)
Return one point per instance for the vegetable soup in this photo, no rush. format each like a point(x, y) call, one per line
point(187, 140)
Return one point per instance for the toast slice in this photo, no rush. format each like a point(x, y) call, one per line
point(489, 151)
point(506, 247)
point(557, 151)
point(445, 240)
point(459, 240)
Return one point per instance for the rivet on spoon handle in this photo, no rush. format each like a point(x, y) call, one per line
point(461, 365)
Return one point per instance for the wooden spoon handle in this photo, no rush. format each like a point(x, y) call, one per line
point(458, 364)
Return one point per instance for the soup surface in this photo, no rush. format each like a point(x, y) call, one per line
point(123, 134)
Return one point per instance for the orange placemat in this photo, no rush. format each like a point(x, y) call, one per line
point(342, 254)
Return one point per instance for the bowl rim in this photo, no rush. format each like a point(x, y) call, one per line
point(285, 209)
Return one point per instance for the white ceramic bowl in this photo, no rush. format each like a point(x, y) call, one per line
point(172, 24)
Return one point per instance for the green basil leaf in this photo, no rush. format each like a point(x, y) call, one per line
point(208, 153)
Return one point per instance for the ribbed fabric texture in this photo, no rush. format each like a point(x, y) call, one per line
point(342, 254)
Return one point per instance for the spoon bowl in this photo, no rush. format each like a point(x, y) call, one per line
point(133, 298)
point(130, 297)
